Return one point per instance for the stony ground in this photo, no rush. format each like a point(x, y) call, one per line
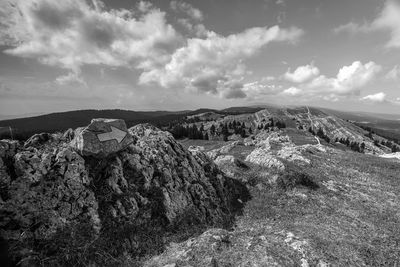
point(157, 203)
point(341, 209)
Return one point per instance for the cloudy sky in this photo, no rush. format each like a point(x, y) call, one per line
point(175, 55)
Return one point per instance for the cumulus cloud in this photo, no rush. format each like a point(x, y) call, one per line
point(376, 98)
point(380, 98)
point(302, 74)
point(207, 64)
point(387, 20)
point(73, 33)
point(349, 80)
point(256, 90)
point(310, 84)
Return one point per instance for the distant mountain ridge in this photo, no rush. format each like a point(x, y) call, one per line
point(60, 121)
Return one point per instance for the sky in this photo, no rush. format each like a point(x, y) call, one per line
point(177, 55)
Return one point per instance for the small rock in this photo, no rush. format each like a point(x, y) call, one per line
point(37, 139)
point(196, 148)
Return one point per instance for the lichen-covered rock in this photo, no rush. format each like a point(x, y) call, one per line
point(49, 192)
point(263, 157)
point(293, 153)
point(268, 140)
point(123, 204)
point(185, 181)
point(101, 138)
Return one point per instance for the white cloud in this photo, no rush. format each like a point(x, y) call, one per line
point(72, 33)
point(302, 74)
point(255, 90)
point(380, 98)
point(387, 20)
point(376, 98)
point(349, 80)
point(393, 74)
point(356, 75)
point(188, 9)
point(208, 64)
point(293, 91)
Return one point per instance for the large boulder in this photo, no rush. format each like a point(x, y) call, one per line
point(101, 138)
point(72, 210)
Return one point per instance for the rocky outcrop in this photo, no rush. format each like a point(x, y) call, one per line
point(293, 153)
point(263, 157)
point(121, 206)
point(273, 147)
point(101, 138)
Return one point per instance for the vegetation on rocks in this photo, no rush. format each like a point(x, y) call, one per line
point(61, 208)
point(250, 189)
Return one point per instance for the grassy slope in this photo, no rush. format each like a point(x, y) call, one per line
point(352, 219)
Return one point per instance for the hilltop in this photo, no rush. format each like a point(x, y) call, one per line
point(280, 196)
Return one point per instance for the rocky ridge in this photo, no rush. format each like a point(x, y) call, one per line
point(119, 203)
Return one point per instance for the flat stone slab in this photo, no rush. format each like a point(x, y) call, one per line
point(101, 138)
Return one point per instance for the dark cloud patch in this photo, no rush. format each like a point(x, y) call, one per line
point(206, 83)
point(235, 91)
point(98, 32)
point(52, 16)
